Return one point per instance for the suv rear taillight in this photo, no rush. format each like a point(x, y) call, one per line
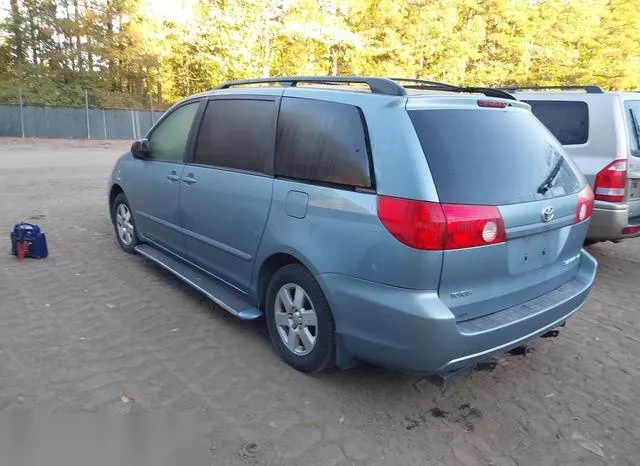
point(611, 182)
point(585, 205)
point(491, 104)
point(434, 226)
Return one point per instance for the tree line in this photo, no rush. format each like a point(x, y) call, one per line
point(130, 55)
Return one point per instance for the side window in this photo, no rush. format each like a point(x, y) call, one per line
point(323, 142)
point(169, 140)
point(237, 134)
point(632, 115)
point(567, 120)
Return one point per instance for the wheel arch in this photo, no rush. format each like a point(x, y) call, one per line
point(113, 192)
point(275, 261)
point(270, 265)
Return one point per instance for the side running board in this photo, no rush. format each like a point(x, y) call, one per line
point(208, 286)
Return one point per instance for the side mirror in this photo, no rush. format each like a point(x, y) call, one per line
point(140, 149)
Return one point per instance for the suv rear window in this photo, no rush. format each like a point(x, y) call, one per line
point(568, 121)
point(322, 142)
point(491, 157)
point(632, 115)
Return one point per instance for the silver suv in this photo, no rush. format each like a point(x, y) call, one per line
point(412, 224)
point(601, 130)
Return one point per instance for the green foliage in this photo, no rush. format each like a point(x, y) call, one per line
point(126, 57)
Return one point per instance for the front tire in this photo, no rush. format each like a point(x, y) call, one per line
point(299, 320)
point(124, 225)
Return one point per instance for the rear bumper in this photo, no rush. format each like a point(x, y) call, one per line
point(414, 331)
point(610, 219)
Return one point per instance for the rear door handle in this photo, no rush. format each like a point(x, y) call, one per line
point(173, 176)
point(189, 179)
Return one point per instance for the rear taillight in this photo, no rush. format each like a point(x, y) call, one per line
point(434, 226)
point(418, 224)
point(469, 226)
point(491, 104)
point(611, 182)
point(632, 230)
point(585, 205)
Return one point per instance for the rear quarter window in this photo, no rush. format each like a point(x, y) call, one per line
point(492, 157)
point(567, 120)
point(632, 116)
point(322, 142)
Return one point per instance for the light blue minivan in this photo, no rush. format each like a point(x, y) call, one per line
point(416, 225)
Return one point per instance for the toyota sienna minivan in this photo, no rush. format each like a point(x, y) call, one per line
point(412, 224)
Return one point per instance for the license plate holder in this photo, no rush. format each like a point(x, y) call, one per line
point(535, 249)
point(532, 252)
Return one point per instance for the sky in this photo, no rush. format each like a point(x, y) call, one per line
point(4, 8)
point(175, 10)
point(170, 9)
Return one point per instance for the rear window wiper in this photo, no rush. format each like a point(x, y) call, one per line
point(547, 184)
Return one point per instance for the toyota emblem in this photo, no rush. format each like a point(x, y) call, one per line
point(547, 214)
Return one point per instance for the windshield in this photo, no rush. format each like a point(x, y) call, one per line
point(493, 157)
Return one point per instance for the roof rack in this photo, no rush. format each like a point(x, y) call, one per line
point(377, 85)
point(438, 86)
point(421, 82)
point(386, 86)
point(587, 89)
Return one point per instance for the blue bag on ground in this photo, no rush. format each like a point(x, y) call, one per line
point(33, 237)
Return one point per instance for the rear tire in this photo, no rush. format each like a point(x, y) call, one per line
point(124, 225)
point(299, 320)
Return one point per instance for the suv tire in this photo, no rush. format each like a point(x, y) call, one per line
point(299, 320)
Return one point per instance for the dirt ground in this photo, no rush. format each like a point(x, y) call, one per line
point(91, 329)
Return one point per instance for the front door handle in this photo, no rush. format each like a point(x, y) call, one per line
point(189, 179)
point(173, 176)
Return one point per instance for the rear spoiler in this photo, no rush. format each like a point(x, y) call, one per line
point(438, 86)
point(588, 89)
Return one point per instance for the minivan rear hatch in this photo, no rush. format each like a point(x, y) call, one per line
point(498, 154)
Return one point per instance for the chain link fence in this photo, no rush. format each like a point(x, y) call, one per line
point(32, 121)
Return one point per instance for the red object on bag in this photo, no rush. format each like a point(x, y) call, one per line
point(21, 249)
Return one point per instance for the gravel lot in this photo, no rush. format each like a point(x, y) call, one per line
point(91, 329)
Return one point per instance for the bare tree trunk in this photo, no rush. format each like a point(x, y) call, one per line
point(77, 31)
point(68, 40)
point(334, 48)
point(266, 69)
point(16, 30)
point(87, 26)
point(32, 33)
point(109, 42)
point(334, 60)
point(463, 70)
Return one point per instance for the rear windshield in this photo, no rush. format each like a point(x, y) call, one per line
point(568, 121)
point(492, 157)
